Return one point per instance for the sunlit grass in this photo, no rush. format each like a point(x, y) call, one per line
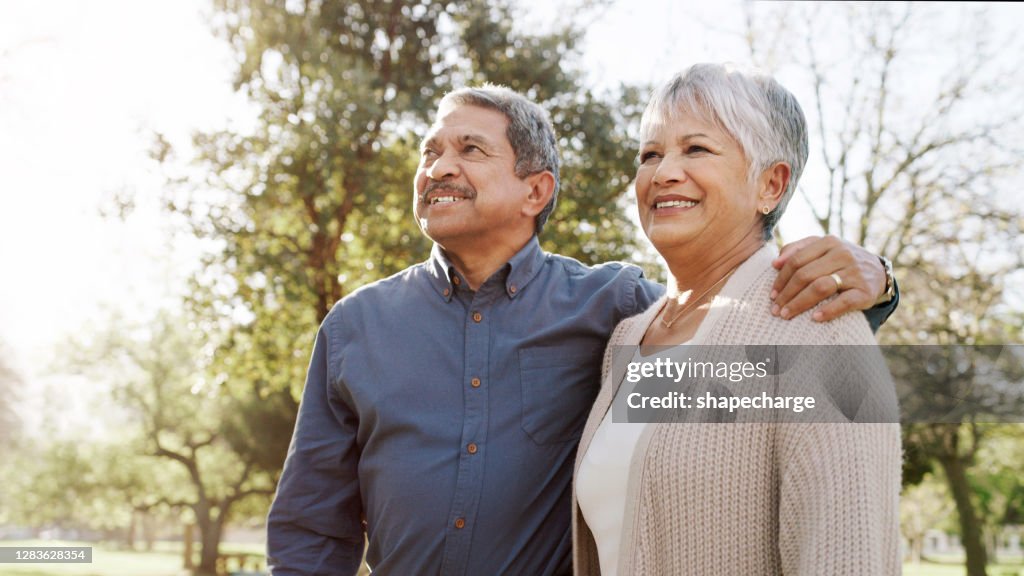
point(108, 560)
point(166, 560)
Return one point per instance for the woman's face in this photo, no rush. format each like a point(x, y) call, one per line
point(692, 189)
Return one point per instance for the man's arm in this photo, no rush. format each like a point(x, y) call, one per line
point(806, 269)
point(315, 524)
point(804, 280)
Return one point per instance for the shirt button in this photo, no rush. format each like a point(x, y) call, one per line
point(456, 281)
point(460, 523)
point(477, 316)
point(475, 382)
point(512, 288)
point(471, 448)
point(447, 291)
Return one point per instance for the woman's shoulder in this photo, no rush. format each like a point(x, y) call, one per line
point(752, 314)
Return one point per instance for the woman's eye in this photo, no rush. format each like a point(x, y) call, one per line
point(648, 156)
point(696, 149)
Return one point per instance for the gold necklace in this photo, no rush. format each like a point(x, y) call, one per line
point(690, 304)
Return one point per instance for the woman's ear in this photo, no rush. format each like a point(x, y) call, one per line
point(542, 186)
point(774, 181)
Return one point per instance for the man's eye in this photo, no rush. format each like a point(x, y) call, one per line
point(471, 149)
point(428, 153)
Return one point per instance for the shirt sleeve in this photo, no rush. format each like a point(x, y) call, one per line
point(647, 293)
point(879, 314)
point(315, 523)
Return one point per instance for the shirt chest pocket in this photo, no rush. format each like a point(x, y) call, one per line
point(559, 383)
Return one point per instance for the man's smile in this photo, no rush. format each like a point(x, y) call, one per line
point(444, 199)
point(442, 193)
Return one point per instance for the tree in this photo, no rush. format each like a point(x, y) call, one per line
point(951, 393)
point(998, 479)
point(184, 422)
point(919, 148)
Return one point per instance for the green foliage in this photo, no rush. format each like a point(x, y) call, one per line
point(998, 477)
point(75, 484)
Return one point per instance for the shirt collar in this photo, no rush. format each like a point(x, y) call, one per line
point(524, 267)
point(521, 268)
point(441, 272)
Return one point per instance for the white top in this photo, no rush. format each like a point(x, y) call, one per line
point(603, 479)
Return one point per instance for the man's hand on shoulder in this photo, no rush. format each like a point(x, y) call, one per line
point(815, 268)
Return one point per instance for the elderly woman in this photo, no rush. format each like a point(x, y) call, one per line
point(721, 153)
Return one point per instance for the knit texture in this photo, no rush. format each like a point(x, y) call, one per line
point(755, 498)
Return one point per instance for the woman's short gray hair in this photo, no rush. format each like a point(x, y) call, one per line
point(529, 132)
point(762, 116)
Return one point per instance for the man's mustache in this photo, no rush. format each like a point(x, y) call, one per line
point(459, 189)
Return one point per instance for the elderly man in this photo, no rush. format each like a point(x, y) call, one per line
point(443, 405)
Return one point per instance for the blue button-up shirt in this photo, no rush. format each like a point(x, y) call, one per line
point(447, 419)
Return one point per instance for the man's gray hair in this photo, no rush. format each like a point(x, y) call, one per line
point(529, 132)
point(762, 116)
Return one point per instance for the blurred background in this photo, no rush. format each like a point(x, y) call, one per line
point(187, 187)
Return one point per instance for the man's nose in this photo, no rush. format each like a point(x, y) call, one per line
point(445, 166)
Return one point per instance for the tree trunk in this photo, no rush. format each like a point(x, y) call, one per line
point(129, 536)
point(970, 525)
point(188, 546)
point(210, 529)
point(916, 546)
point(148, 533)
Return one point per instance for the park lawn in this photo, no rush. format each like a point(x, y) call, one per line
point(165, 560)
point(108, 560)
point(942, 569)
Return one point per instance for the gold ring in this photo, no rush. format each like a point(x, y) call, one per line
point(839, 281)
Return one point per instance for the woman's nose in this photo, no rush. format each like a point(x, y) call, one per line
point(670, 171)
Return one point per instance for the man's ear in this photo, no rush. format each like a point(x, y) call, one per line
point(774, 181)
point(542, 186)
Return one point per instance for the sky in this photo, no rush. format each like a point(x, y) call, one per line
point(84, 85)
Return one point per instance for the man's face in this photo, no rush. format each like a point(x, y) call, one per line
point(467, 193)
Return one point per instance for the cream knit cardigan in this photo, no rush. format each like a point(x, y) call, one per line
point(752, 498)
